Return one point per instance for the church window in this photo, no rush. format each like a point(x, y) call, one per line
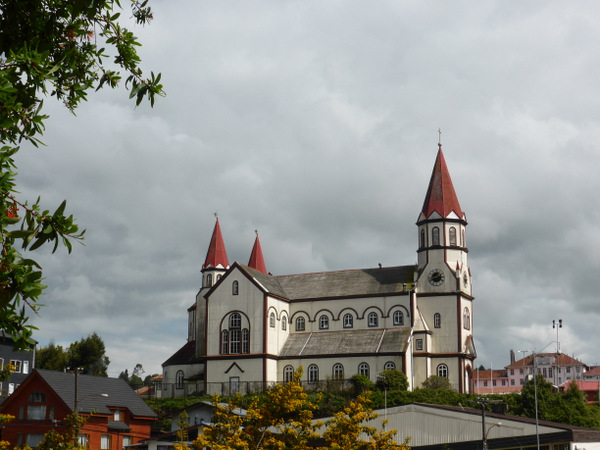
point(235, 341)
point(338, 372)
point(209, 280)
point(435, 236)
point(398, 318)
point(442, 370)
point(437, 320)
point(466, 319)
point(373, 319)
point(389, 366)
point(284, 322)
point(300, 324)
point(348, 321)
point(363, 369)
point(179, 380)
point(419, 344)
point(288, 374)
point(452, 233)
point(422, 238)
point(313, 373)
point(464, 242)
point(219, 277)
point(235, 288)
point(235, 320)
point(245, 341)
point(323, 322)
point(272, 320)
point(225, 342)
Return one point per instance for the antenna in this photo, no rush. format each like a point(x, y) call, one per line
point(440, 137)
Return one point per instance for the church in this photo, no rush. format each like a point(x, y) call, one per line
point(248, 328)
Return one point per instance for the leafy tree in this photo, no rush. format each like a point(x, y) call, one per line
point(437, 382)
point(135, 380)
point(66, 437)
point(89, 354)
point(51, 48)
point(53, 357)
point(183, 423)
point(361, 384)
point(392, 380)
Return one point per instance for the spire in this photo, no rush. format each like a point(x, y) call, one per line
point(257, 261)
point(216, 255)
point(441, 197)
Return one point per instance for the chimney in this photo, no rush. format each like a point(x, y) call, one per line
point(512, 356)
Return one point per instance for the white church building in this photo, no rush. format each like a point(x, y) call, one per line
point(248, 328)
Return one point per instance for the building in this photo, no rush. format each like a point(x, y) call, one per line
point(120, 417)
point(249, 328)
point(23, 362)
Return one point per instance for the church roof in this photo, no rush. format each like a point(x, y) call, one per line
point(216, 255)
point(343, 283)
point(441, 197)
point(185, 355)
point(389, 340)
point(257, 261)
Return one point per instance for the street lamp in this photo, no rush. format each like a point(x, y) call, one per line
point(557, 324)
point(485, 444)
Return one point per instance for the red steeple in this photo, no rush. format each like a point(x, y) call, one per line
point(257, 261)
point(441, 197)
point(216, 255)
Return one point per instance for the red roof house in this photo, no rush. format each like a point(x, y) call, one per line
point(117, 416)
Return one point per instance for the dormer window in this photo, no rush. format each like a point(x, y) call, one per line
point(117, 415)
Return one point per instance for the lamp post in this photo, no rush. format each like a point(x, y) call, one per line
point(485, 443)
point(557, 324)
point(384, 382)
point(484, 433)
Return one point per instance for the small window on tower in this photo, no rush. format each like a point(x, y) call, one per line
point(435, 236)
point(452, 233)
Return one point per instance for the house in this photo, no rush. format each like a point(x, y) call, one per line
point(22, 362)
point(248, 328)
point(117, 416)
point(490, 381)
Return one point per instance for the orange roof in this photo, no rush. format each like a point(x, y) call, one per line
point(563, 360)
point(216, 255)
point(441, 197)
point(257, 261)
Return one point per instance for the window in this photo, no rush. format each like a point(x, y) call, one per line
point(84, 440)
point(272, 320)
point(179, 380)
point(464, 241)
point(11, 388)
point(338, 372)
point(503, 382)
point(437, 320)
point(105, 442)
point(235, 320)
point(363, 369)
point(245, 341)
point(36, 397)
point(348, 321)
point(235, 339)
point(442, 370)
point(493, 382)
point(284, 323)
point(209, 280)
point(512, 382)
point(313, 373)
point(419, 344)
point(25, 366)
point(235, 288)
point(398, 318)
point(288, 374)
point(452, 234)
point(569, 369)
point(234, 385)
point(373, 319)
point(33, 439)
point(117, 415)
point(389, 366)
point(224, 342)
point(466, 319)
point(550, 375)
point(512, 371)
point(323, 322)
point(218, 277)
point(127, 441)
point(485, 384)
point(422, 238)
point(435, 236)
point(36, 412)
point(16, 365)
point(300, 324)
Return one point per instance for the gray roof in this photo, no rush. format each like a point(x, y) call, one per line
point(120, 394)
point(343, 283)
point(388, 340)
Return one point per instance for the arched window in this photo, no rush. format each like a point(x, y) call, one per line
point(437, 320)
point(313, 373)
point(284, 322)
point(288, 374)
point(464, 241)
point(398, 318)
point(179, 380)
point(300, 324)
point(466, 319)
point(219, 277)
point(452, 233)
point(348, 321)
point(435, 236)
point(235, 288)
point(442, 370)
point(363, 369)
point(235, 320)
point(272, 320)
point(422, 238)
point(323, 322)
point(373, 319)
point(209, 280)
point(389, 366)
point(338, 372)
point(224, 342)
point(245, 341)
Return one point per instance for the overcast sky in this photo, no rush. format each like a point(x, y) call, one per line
point(316, 123)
